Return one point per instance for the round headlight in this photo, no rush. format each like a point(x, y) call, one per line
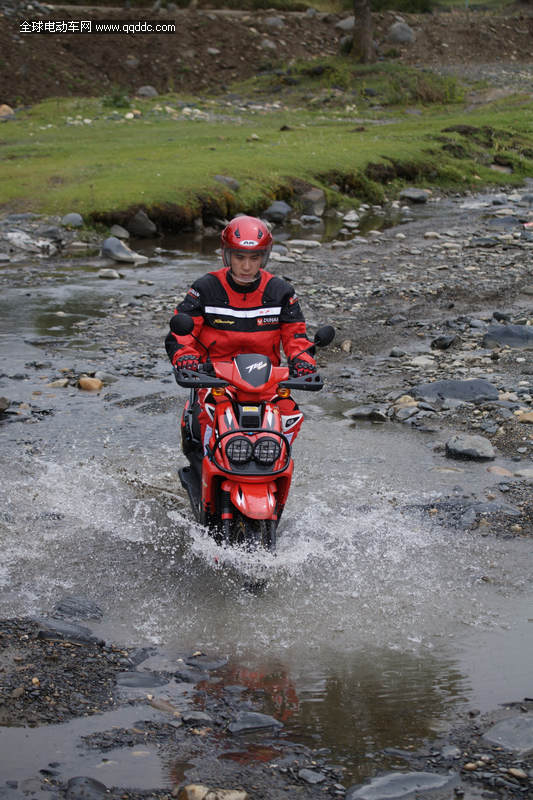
point(239, 450)
point(266, 451)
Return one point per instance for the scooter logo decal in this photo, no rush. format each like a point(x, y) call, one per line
point(257, 365)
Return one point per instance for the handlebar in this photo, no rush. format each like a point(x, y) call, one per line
point(203, 378)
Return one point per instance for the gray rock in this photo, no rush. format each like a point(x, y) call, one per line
point(77, 608)
point(401, 33)
point(472, 447)
point(314, 202)
point(4, 404)
point(54, 629)
point(72, 220)
point(510, 335)
point(274, 22)
point(277, 211)
point(231, 183)
point(311, 776)
point(20, 240)
point(140, 680)
point(141, 225)
point(147, 91)
point(414, 195)
point(119, 232)
point(403, 785)
point(118, 251)
point(347, 24)
point(85, 789)
point(109, 274)
point(197, 718)
point(514, 734)
point(443, 342)
point(248, 721)
point(372, 413)
point(206, 662)
point(476, 390)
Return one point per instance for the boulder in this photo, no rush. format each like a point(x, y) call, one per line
point(401, 33)
point(248, 721)
point(510, 335)
point(277, 211)
point(414, 195)
point(141, 225)
point(119, 232)
point(231, 183)
point(6, 112)
point(83, 788)
point(476, 390)
point(314, 202)
point(403, 786)
point(72, 220)
point(476, 448)
point(346, 25)
point(90, 384)
point(514, 734)
point(147, 91)
point(4, 404)
point(118, 251)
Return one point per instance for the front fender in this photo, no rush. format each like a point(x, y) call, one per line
point(254, 500)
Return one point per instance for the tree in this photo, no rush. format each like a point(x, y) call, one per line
point(363, 43)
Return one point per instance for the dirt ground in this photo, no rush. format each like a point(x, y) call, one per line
point(214, 48)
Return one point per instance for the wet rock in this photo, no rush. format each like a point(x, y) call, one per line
point(415, 195)
point(372, 413)
point(196, 791)
point(476, 390)
point(4, 404)
point(443, 342)
point(197, 718)
point(249, 721)
point(118, 251)
point(119, 232)
point(53, 629)
point(77, 608)
point(109, 274)
point(85, 789)
point(470, 447)
point(140, 680)
point(277, 211)
point(90, 384)
point(20, 240)
point(141, 225)
point(510, 335)
point(311, 776)
point(72, 220)
point(314, 202)
point(514, 734)
point(526, 417)
point(403, 785)
point(203, 662)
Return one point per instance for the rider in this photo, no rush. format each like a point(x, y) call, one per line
point(242, 308)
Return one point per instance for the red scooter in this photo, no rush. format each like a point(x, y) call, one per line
point(238, 482)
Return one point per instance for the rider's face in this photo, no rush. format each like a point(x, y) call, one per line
point(245, 266)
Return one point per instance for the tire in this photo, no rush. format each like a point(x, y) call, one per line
point(253, 533)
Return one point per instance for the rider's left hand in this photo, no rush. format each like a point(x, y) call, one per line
point(300, 368)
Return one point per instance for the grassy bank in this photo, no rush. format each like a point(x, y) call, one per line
point(162, 155)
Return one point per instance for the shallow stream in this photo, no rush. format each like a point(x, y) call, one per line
point(376, 627)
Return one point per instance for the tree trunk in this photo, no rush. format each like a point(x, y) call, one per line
point(363, 43)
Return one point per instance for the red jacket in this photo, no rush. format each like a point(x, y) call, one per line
point(232, 319)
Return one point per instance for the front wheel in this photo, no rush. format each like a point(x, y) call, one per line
point(252, 533)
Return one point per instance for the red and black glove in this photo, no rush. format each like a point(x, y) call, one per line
point(299, 367)
point(187, 362)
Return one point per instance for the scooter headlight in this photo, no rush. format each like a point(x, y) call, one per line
point(267, 451)
point(239, 450)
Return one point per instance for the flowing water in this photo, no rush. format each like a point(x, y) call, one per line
point(376, 625)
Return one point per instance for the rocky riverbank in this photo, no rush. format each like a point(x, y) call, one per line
point(434, 320)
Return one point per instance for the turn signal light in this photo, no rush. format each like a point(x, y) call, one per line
point(218, 391)
point(283, 391)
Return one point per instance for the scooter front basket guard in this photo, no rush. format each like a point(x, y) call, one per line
point(217, 447)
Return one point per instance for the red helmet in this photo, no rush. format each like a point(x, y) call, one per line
point(246, 234)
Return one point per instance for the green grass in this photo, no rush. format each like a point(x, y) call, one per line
point(163, 163)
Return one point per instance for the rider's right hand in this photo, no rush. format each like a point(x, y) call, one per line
point(187, 362)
